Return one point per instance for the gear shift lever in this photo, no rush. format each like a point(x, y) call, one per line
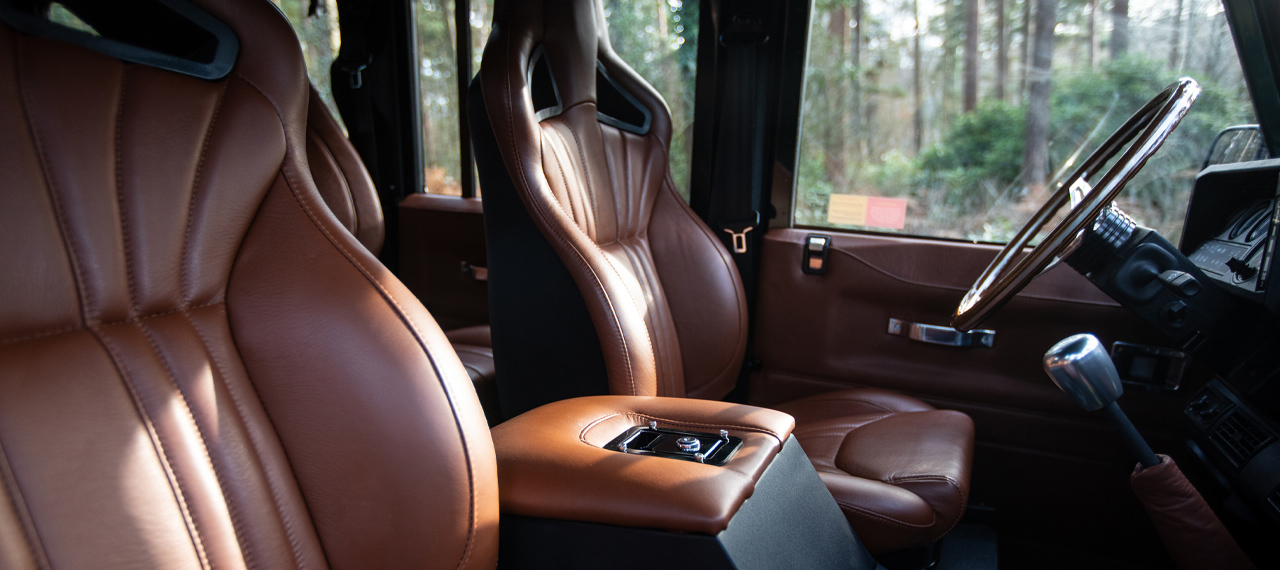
point(1083, 370)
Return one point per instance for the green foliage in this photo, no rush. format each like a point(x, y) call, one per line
point(983, 145)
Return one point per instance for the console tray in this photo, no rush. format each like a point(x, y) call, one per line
point(698, 447)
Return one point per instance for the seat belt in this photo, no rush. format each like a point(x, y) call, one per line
point(740, 222)
point(353, 98)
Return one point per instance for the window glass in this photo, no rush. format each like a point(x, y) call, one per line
point(916, 111)
point(316, 24)
point(438, 87)
point(659, 39)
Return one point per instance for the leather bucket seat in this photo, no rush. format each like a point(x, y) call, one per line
point(602, 280)
point(345, 186)
point(199, 366)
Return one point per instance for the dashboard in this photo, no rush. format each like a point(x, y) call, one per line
point(1231, 237)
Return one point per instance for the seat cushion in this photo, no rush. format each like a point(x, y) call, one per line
point(898, 468)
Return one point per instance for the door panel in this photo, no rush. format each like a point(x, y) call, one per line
point(1040, 460)
point(438, 234)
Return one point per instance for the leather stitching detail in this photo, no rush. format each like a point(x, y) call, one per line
point(68, 240)
point(955, 486)
point(886, 518)
point(175, 483)
point(120, 205)
point(29, 531)
point(238, 406)
point(187, 292)
point(669, 185)
point(232, 511)
point(400, 312)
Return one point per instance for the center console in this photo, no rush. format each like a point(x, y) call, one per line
point(640, 482)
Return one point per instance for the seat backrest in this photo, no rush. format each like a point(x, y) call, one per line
point(341, 177)
point(199, 368)
point(580, 141)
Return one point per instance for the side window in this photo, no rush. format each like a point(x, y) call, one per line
point(933, 117)
point(437, 29)
point(316, 24)
point(656, 37)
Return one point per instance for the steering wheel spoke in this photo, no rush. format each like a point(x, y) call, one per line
point(1134, 143)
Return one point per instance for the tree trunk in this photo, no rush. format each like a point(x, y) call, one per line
point(837, 151)
point(916, 88)
point(1119, 28)
point(971, 31)
point(859, 121)
point(1093, 32)
point(1176, 39)
point(1002, 51)
point(1026, 49)
point(1036, 150)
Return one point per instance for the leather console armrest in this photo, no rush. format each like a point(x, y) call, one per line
point(552, 464)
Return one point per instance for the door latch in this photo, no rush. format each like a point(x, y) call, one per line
point(814, 260)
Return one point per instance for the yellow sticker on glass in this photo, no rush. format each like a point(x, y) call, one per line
point(869, 211)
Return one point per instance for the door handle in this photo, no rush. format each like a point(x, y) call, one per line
point(945, 336)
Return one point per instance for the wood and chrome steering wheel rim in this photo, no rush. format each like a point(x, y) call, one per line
point(1008, 273)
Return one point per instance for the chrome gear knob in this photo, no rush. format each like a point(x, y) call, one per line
point(1082, 368)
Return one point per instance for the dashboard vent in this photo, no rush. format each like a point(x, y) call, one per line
point(1239, 438)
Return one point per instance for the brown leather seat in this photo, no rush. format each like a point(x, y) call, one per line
point(591, 246)
point(345, 186)
point(199, 366)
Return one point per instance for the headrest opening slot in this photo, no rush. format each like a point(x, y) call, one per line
point(542, 86)
point(617, 107)
point(173, 35)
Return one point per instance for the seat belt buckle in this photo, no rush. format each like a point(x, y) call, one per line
point(355, 73)
point(738, 234)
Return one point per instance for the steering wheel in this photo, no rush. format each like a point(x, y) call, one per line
point(1147, 129)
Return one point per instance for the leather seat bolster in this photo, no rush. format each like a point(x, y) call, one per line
point(551, 463)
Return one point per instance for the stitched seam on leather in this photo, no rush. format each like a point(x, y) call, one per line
point(564, 179)
point(175, 485)
point(591, 194)
point(195, 188)
point(342, 179)
point(955, 486)
point(77, 327)
point(582, 435)
point(83, 294)
point(650, 297)
point(884, 517)
point(400, 312)
point(30, 533)
point(232, 511)
point(120, 205)
point(554, 232)
point(238, 406)
point(669, 184)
